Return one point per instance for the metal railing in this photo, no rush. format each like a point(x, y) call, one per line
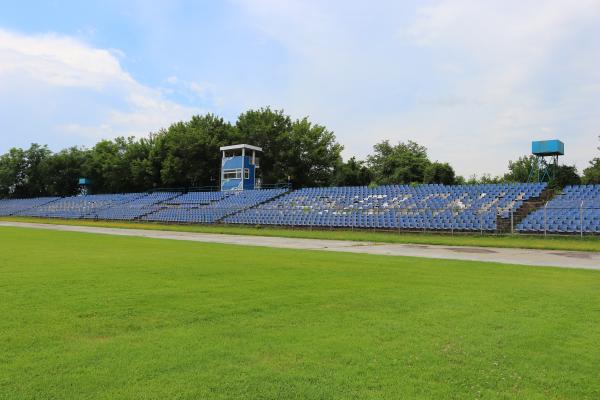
point(579, 212)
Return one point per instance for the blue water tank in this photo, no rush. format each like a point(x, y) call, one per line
point(548, 148)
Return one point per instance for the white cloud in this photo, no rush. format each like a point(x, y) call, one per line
point(194, 91)
point(59, 61)
point(521, 71)
point(474, 81)
point(88, 93)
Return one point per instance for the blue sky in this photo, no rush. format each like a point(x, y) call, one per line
point(473, 81)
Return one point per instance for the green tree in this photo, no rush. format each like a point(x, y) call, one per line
point(36, 171)
point(591, 175)
point(520, 170)
point(64, 169)
point(565, 175)
point(23, 173)
point(304, 152)
point(400, 164)
point(107, 168)
point(183, 155)
point(187, 153)
point(13, 167)
point(485, 179)
point(460, 180)
point(312, 156)
point(137, 157)
point(439, 173)
point(352, 173)
point(270, 130)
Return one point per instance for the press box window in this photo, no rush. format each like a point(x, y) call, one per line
point(232, 174)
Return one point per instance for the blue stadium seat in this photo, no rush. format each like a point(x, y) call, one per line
point(431, 207)
point(424, 207)
point(576, 210)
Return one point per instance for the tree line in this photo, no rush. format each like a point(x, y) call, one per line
point(186, 154)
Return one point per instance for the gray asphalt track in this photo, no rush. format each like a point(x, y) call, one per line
point(550, 258)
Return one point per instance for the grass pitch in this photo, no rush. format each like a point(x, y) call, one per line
point(87, 316)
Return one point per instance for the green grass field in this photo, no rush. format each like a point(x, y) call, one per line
point(89, 316)
point(575, 243)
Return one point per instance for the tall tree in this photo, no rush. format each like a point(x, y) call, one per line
point(23, 173)
point(565, 175)
point(13, 166)
point(402, 163)
point(485, 179)
point(312, 155)
point(299, 150)
point(137, 157)
point(270, 130)
point(439, 173)
point(187, 153)
point(64, 170)
point(519, 170)
point(352, 173)
point(36, 171)
point(591, 175)
point(107, 168)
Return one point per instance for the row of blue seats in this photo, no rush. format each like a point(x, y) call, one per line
point(16, 206)
point(576, 209)
point(136, 208)
point(195, 209)
point(158, 206)
point(199, 198)
point(394, 206)
point(80, 206)
point(470, 207)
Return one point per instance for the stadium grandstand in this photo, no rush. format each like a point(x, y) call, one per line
point(394, 207)
point(428, 207)
point(241, 199)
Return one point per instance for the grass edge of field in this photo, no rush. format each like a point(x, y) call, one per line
point(589, 244)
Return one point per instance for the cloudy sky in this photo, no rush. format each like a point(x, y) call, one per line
point(474, 81)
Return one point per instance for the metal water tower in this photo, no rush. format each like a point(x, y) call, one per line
point(239, 166)
point(546, 160)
